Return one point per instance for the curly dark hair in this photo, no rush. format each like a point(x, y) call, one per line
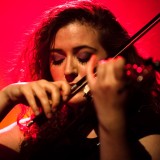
point(111, 36)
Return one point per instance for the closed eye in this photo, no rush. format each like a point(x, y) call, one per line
point(84, 53)
point(84, 57)
point(56, 57)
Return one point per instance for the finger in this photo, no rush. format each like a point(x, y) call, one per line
point(58, 92)
point(30, 98)
point(65, 89)
point(55, 94)
point(90, 69)
point(41, 95)
point(119, 68)
point(105, 70)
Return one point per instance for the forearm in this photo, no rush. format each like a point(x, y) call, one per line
point(5, 105)
point(113, 139)
point(116, 141)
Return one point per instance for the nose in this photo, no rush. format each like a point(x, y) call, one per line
point(71, 70)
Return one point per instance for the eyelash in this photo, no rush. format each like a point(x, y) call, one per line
point(58, 62)
point(84, 60)
point(81, 60)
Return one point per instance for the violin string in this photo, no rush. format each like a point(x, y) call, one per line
point(140, 33)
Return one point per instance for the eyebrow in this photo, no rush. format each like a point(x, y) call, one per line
point(75, 49)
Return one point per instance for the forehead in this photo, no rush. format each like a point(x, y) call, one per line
point(75, 33)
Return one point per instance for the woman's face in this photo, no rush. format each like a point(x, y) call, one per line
point(71, 51)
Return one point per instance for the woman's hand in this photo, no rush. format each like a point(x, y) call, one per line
point(37, 94)
point(109, 96)
point(106, 89)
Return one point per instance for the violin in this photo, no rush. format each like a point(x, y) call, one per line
point(133, 71)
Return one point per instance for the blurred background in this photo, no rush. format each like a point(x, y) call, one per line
point(18, 17)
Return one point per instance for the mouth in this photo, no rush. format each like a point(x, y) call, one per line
point(72, 84)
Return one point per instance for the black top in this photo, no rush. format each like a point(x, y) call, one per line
point(146, 122)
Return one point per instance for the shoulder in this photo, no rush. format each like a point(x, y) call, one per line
point(7, 153)
point(146, 122)
point(151, 144)
point(11, 136)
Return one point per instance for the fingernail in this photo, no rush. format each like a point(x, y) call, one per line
point(53, 109)
point(65, 97)
point(49, 115)
point(37, 113)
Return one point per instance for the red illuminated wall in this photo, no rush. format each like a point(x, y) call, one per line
point(18, 16)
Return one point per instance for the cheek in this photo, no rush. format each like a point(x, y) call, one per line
point(57, 73)
point(82, 70)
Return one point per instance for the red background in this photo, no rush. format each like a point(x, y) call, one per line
point(18, 16)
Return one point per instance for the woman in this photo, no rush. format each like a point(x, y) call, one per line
point(110, 121)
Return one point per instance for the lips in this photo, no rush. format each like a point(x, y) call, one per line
point(72, 84)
